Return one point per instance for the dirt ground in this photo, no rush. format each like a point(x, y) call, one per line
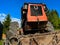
point(42, 39)
point(52, 38)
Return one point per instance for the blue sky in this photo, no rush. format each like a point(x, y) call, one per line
point(13, 7)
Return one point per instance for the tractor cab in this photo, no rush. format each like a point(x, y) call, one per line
point(34, 12)
point(34, 16)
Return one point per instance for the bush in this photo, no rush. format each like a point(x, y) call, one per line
point(1, 42)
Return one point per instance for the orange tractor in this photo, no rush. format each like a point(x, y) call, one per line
point(34, 21)
point(34, 18)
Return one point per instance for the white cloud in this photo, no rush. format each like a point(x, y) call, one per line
point(2, 17)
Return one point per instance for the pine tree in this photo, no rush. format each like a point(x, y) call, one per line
point(1, 30)
point(6, 23)
point(53, 18)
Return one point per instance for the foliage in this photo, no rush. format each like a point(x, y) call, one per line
point(6, 23)
point(1, 42)
point(53, 18)
point(59, 22)
point(1, 30)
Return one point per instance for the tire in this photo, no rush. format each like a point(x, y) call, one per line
point(11, 42)
point(49, 27)
point(14, 41)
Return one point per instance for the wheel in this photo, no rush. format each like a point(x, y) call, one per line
point(49, 27)
point(14, 41)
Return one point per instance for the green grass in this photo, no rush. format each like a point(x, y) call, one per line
point(0, 42)
point(57, 29)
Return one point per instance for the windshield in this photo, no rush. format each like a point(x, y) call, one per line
point(36, 10)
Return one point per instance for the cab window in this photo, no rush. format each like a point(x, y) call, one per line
point(36, 10)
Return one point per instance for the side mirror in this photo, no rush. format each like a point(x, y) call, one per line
point(25, 6)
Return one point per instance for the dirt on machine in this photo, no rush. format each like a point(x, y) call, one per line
point(36, 29)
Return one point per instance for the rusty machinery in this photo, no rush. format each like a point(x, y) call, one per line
point(34, 18)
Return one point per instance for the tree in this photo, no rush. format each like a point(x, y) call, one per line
point(6, 23)
point(59, 22)
point(53, 18)
point(1, 30)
